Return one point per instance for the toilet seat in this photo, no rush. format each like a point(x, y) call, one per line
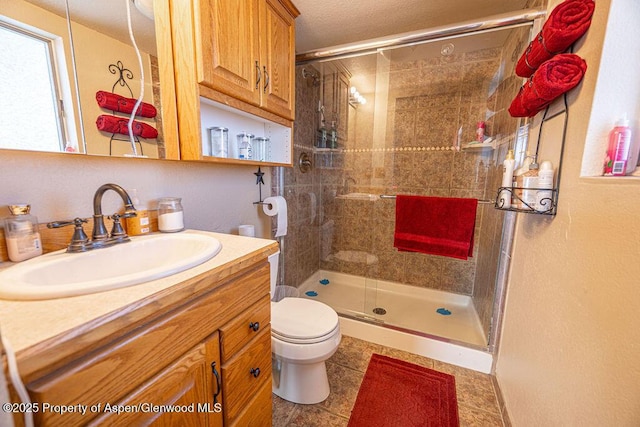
point(302, 321)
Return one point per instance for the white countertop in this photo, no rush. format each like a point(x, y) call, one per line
point(25, 323)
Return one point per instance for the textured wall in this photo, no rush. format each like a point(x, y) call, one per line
point(569, 350)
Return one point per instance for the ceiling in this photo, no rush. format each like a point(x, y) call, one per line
point(321, 24)
point(328, 23)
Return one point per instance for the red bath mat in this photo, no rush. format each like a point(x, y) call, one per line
point(398, 393)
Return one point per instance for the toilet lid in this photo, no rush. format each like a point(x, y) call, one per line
point(302, 319)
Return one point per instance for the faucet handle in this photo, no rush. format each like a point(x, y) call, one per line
point(117, 231)
point(58, 224)
point(79, 240)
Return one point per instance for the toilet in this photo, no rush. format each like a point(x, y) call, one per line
point(304, 333)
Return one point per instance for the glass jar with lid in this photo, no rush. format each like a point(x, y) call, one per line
point(261, 149)
point(170, 215)
point(219, 141)
point(21, 233)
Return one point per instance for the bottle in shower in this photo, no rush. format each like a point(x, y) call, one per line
point(333, 136)
point(21, 233)
point(509, 163)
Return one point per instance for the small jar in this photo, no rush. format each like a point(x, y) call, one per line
point(219, 140)
point(261, 149)
point(21, 233)
point(170, 215)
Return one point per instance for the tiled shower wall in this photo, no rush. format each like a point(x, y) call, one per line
point(428, 101)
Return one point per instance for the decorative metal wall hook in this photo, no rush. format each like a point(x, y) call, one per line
point(260, 182)
point(118, 69)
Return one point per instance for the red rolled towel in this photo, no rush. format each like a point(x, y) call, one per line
point(566, 24)
point(553, 78)
point(142, 129)
point(120, 104)
point(113, 124)
point(108, 124)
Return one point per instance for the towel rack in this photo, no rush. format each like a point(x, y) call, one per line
point(482, 201)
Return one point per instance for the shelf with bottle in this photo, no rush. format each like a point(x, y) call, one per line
point(533, 188)
point(236, 137)
point(490, 143)
point(516, 199)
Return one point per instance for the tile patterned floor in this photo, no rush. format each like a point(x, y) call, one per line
point(477, 402)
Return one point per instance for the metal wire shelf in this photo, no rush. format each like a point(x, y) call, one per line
point(545, 206)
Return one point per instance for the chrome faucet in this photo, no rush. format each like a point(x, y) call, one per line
point(99, 237)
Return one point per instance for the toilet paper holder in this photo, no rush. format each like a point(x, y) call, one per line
point(263, 203)
point(260, 182)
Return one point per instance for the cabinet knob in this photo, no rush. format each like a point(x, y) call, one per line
point(254, 326)
point(255, 372)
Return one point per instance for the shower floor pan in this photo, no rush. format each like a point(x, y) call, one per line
point(407, 307)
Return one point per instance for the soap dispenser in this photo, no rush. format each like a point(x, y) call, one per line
point(21, 233)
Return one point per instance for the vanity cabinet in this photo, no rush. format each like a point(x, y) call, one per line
point(201, 347)
point(235, 56)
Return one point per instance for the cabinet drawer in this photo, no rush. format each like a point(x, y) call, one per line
point(237, 333)
point(258, 412)
point(241, 382)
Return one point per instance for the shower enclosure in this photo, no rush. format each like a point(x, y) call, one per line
point(401, 120)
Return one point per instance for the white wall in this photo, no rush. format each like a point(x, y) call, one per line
point(61, 186)
point(569, 353)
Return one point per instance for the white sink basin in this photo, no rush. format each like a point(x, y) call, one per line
point(144, 258)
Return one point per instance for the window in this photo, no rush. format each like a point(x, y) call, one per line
point(31, 108)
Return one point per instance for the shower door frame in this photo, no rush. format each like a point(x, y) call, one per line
point(528, 17)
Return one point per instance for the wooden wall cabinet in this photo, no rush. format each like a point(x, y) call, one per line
point(335, 99)
point(208, 352)
point(234, 55)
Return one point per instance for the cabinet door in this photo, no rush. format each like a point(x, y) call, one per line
point(342, 103)
point(277, 38)
point(227, 49)
point(186, 389)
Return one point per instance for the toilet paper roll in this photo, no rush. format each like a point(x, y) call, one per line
point(277, 205)
point(247, 230)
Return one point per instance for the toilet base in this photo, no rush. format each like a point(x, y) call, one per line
point(302, 383)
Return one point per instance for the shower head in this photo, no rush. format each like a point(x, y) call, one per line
point(311, 75)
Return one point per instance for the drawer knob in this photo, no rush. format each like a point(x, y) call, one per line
point(255, 326)
point(255, 372)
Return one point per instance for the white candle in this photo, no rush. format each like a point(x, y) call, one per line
point(171, 221)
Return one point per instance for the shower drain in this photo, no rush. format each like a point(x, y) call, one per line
point(379, 310)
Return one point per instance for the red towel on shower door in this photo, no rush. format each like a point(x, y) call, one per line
point(435, 225)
